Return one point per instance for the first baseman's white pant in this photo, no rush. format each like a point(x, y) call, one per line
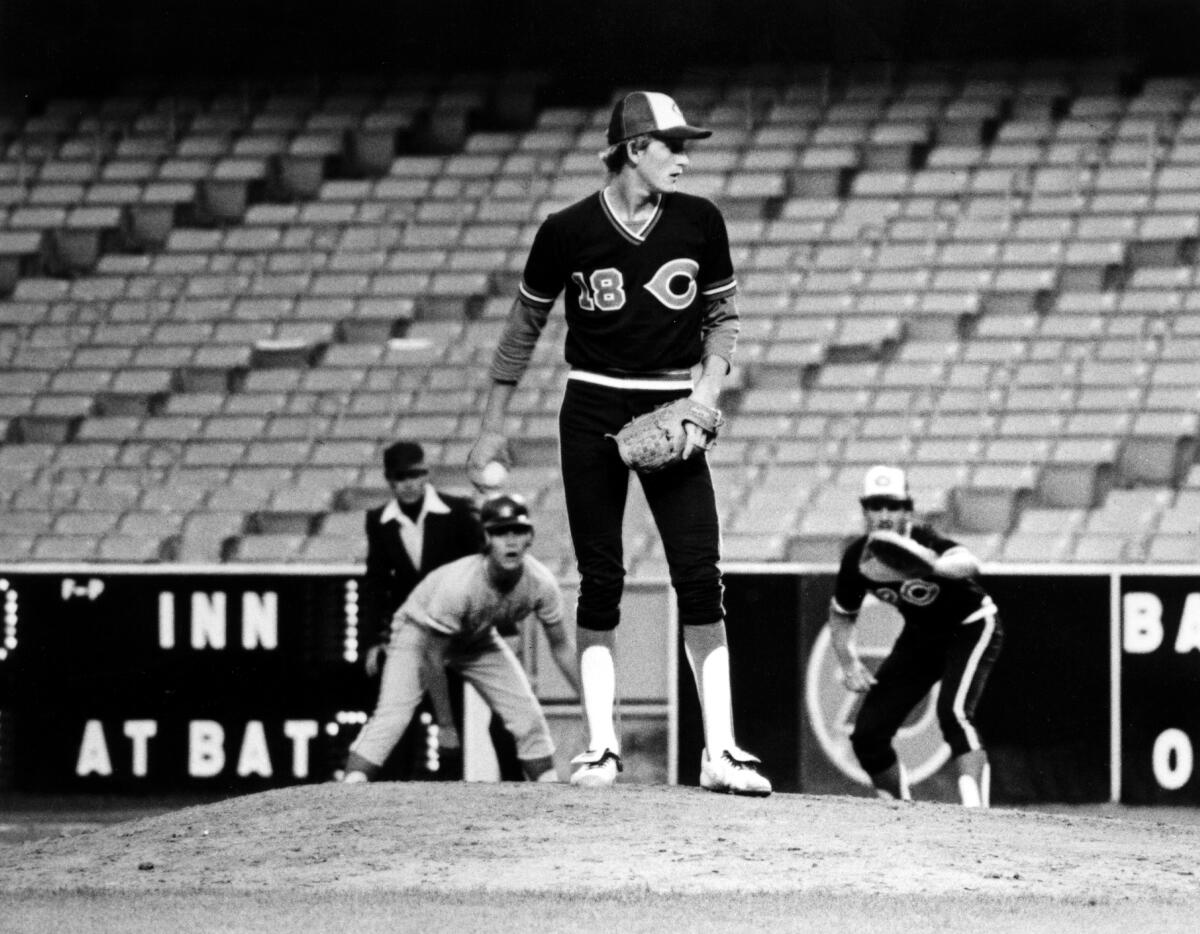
point(489, 665)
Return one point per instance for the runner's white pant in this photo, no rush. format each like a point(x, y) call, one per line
point(489, 665)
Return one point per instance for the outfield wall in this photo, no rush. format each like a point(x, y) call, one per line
point(153, 680)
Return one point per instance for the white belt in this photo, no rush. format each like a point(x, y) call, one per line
point(682, 381)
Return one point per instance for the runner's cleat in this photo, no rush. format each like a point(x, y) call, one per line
point(597, 768)
point(734, 773)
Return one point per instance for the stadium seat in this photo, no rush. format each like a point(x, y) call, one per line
point(1036, 547)
point(1104, 548)
point(972, 306)
point(1079, 472)
point(266, 548)
point(1160, 447)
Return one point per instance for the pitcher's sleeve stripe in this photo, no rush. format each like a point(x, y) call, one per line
point(535, 298)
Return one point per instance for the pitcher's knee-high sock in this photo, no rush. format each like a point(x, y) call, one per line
point(598, 677)
point(707, 651)
point(974, 779)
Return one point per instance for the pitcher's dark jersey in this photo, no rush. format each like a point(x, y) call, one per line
point(931, 600)
point(634, 299)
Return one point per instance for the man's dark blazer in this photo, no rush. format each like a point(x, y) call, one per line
point(390, 575)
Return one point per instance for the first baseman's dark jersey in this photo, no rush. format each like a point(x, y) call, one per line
point(928, 601)
point(635, 299)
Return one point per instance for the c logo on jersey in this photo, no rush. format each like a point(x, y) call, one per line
point(916, 592)
point(832, 709)
point(675, 283)
point(919, 592)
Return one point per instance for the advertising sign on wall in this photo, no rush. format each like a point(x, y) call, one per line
point(130, 682)
point(1160, 690)
point(167, 680)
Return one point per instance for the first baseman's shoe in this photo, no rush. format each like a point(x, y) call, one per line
point(598, 768)
point(354, 777)
point(735, 773)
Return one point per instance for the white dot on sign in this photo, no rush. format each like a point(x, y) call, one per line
point(331, 729)
point(426, 719)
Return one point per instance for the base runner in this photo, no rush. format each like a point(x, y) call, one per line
point(951, 633)
point(451, 620)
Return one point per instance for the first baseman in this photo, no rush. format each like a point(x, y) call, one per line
point(951, 634)
point(451, 620)
point(649, 298)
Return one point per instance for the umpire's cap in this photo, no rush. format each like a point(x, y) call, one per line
point(404, 459)
point(883, 483)
point(505, 512)
point(650, 113)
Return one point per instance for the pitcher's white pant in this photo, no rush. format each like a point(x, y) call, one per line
point(488, 664)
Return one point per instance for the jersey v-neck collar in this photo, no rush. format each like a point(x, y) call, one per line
point(631, 234)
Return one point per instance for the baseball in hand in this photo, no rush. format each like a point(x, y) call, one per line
point(493, 474)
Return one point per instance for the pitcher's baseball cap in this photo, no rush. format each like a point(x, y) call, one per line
point(652, 113)
point(885, 484)
point(503, 512)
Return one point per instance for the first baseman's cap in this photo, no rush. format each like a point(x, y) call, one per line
point(884, 482)
point(404, 458)
point(505, 511)
point(649, 112)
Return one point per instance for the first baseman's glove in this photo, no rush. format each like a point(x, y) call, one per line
point(889, 557)
point(656, 439)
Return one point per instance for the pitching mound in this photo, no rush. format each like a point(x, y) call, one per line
point(557, 840)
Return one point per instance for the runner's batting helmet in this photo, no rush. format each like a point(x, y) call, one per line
point(505, 512)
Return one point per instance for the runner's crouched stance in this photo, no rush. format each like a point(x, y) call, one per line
point(451, 619)
point(951, 634)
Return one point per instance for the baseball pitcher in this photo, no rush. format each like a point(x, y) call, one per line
point(648, 286)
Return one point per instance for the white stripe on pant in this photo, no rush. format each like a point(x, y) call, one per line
point(968, 678)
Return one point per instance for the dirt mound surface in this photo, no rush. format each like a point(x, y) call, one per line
point(557, 839)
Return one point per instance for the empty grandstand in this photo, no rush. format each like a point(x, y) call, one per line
point(220, 299)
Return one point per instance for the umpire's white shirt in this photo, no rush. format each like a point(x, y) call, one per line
point(412, 534)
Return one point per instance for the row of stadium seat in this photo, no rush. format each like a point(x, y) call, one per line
point(1048, 258)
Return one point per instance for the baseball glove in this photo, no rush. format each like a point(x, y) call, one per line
point(889, 557)
point(656, 439)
